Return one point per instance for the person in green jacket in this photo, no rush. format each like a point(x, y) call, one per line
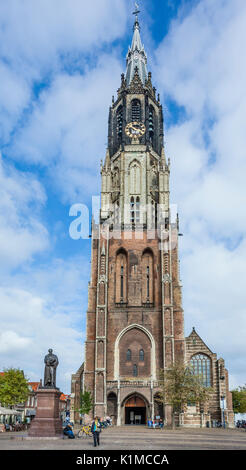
point(96, 429)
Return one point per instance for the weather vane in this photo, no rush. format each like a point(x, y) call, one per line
point(136, 11)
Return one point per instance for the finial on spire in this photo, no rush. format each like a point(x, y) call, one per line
point(136, 12)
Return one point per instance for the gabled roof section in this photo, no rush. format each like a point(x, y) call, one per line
point(195, 342)
point(34, 385)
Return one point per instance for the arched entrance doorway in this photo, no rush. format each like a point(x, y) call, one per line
point(135, 410)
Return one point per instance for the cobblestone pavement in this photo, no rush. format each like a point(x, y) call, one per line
point(136, 438)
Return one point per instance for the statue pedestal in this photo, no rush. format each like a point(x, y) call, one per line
point(47, 422)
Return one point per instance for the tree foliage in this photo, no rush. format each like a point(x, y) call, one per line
point(13, 387)
point(239, 399)
point(180, 386)
point(85, 402)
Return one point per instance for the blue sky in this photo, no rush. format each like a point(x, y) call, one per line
point(60, 64)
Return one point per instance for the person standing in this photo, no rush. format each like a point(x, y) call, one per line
point(96, 429)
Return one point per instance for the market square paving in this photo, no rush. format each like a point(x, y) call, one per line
point(135, 438)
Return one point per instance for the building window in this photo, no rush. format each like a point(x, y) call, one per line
point(138, 210)
point(132, 207)
point(135, 210)
point(147, 282)
point(135, 370)
point(141, 355)
point(201, 365)
point(122, 282)
point(129, 355)
point(136, 110)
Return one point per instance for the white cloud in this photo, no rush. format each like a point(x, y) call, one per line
point(14, 97)
point(39, 39)
point(11, 343)
point(42, 308)
point(22, 234)
point(35, 33)
point(67, 130)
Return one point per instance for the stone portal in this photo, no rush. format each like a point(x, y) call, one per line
point(135, 411)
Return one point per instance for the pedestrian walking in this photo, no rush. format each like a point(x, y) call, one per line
point(96, 429)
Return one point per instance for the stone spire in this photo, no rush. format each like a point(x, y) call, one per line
point(136, 56)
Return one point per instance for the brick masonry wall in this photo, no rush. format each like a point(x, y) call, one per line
point(195, 345)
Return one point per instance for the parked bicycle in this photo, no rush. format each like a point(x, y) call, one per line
point(85, 431)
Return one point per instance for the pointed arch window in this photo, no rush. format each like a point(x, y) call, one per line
point(136, 110)
point(201, 365)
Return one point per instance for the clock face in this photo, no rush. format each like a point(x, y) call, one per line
point(135, 130)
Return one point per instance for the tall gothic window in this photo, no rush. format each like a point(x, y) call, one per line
point(136, 110)
point(135, 370)
point(201, 365)
point(129, 355)
point(119, 123)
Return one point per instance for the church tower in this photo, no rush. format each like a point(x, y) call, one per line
point(135, 317)
point(135, 321)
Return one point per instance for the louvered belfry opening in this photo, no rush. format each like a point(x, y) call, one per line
point(120, 123)
point(136, 111)
point(151, 123)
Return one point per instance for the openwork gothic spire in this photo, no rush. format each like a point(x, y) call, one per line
point(136, 57)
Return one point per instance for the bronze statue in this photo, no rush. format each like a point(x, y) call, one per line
point(51, 363)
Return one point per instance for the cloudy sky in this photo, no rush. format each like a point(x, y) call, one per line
point(60, 64)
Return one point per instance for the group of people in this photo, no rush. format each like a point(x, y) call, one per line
point(96, 427)
point(156, 423)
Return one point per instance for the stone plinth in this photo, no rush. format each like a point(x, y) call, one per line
point(47, 422)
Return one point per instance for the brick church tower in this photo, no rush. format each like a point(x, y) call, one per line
point(135, 316)
point(135, 322)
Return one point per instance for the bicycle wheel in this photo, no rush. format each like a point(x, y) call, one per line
point(80, 433)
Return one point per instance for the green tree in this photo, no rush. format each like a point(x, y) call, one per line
point(86, 402)
point(13, 387)
point(239, 399)
point(180, 386)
